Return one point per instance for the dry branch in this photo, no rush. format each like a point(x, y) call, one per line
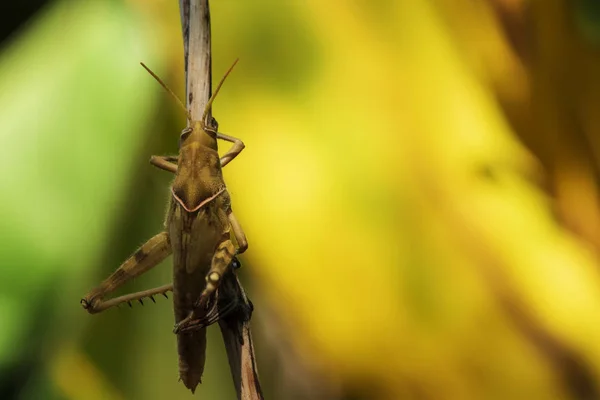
point(235, 327)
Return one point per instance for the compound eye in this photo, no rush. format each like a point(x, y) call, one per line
point(213, 124)
point(184, 134)
point(235, 263)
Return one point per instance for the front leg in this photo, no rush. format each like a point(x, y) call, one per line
point(233, 152)
point(146, 257)
point(167, 163)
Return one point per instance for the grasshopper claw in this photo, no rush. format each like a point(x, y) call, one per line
point(188, 326)
point(213, 315)
point(178, 329)
point(183, 323)
point(85, 303)
point(88, 304)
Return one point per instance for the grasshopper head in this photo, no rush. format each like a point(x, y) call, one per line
point(197, 134)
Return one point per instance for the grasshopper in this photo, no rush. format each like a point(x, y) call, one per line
point(197, 232)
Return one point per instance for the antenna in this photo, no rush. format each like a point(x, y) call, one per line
point(212, 98)
point(185, 110)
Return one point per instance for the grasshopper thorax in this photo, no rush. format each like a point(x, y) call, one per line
point(199, 179)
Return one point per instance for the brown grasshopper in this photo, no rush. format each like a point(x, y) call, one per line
point(197, 231)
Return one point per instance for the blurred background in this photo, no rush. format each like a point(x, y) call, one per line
point(419, 190)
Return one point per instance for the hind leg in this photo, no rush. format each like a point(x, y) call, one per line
point(145, 258)
point(220, 262)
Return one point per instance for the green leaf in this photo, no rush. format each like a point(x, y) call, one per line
point(73, 105)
